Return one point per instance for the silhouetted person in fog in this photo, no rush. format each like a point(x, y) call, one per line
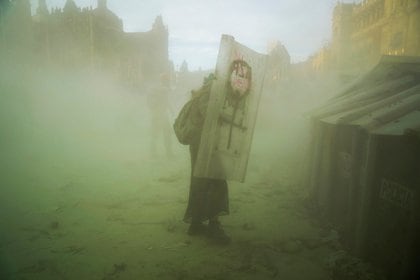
point(159, 107)
point(208, 198)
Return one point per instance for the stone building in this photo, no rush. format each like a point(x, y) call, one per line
point(15, 25)
point(87, 38)
point(278, 67)
point(340, 47)
point(321, 61)
point(385, 27)
point(362, 32)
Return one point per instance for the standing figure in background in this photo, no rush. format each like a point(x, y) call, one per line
point(208, 198)
point(160, 110)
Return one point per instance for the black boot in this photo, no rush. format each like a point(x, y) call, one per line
point(217, 234)
point(197, 228)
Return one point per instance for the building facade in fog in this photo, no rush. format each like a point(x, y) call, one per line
point(278, 64)
point(90, 38)
point(362, 32)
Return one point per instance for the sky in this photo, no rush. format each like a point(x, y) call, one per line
point(195, 26)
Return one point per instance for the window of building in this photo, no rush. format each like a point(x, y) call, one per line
point(396, 41)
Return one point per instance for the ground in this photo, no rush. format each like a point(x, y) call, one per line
point(82, 198)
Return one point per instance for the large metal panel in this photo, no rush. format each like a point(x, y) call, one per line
point(367, 164)
point(323, 183)
point(390, 229)
point(232, 112)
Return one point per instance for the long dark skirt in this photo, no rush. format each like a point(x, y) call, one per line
point(208, 198)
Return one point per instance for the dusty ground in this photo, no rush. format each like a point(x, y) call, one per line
point(130, 228)
point(83, 201)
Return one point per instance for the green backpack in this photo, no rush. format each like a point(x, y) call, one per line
point(187, 125)
point(183, 126)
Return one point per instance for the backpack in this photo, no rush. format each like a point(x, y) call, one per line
point(183, 126)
